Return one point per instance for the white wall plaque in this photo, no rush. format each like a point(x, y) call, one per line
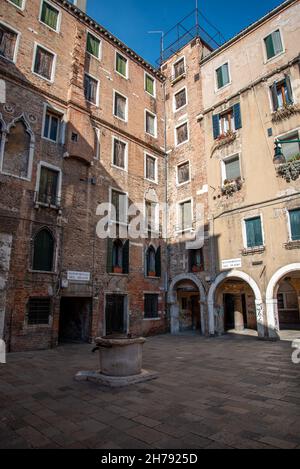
point(79, 276)
point(231, 264)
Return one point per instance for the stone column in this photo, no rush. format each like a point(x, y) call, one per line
point(272, 319)
point(174, 310)
point(238, 313)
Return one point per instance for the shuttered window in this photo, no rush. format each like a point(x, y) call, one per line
point(121, 65)
point(282, 94)
point(182, 134)
point(120, 107)
point(8, 40)
point(38, 311)
point(149, 84)
point(151, 306)
point(254, 232)
point(232, 168)
point(119, 155)
point(43, 64)
point(183, 173)
point(228, 121)
point(150, 124)
point(43, 251)
point(50, 15)
point(48, 187)
point(118, 256)
point(295, 224)
point(222, 76)
point(273, 44)
point(93, 45)
point(91, 89)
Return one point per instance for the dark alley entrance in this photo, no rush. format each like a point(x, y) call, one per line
point(75, 320)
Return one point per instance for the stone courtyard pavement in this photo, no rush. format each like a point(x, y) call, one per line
point(228, 392)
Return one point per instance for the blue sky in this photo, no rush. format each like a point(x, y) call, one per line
point(130, 20)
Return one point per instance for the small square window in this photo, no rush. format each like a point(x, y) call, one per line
point(223, 78)
point(43, 64)
point(150, 168)
point(8, 41)
point(149, 84)
point(50, 15)
point(91, 89)
point(150, 124)
point(254, 232)
point(93, 45)
point(183, 173)
point(38, 312)
point(273, 44)
point(119, 154)
point(180, 99)
point(121, 64)
point(182, 134)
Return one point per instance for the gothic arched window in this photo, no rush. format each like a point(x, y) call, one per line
point(43, 251)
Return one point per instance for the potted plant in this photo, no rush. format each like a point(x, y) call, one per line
point(151, 273)
point(118, 269)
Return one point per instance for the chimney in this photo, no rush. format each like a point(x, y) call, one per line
point(81, 4)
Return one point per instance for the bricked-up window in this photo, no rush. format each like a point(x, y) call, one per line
point(180, 99)
point(91, 89)
point(273, 44)
point(8, 41)
point(44, 63)
point(196, 260)
point(150, 124)
point(179, 68)
point(120, 106)
point(185, 215)
point(223, 77)
point(119, 153)
point(282, 93)
point(182, 133)
point(17, 151)
point(151, 306)
point(93, 45)
point(295, 224)
point(119, 201)
point(151, 169)
point(43, 251)
point(121, 64)
point(39, 311)
point(50, 15)
point(118, 256)
point(48, 186)
point(183, 172)
point(149, 84)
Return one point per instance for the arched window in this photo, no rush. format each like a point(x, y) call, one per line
point(118, 256)
point(153, 262)
point(43, 251)
point(18, 149)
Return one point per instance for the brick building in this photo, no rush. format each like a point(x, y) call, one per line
point(84, 121)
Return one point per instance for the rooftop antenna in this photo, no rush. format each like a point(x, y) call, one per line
point(161, 43)
point(197, 19)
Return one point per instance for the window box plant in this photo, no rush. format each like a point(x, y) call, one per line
point(290, 171)
point(285, 112)
point(231, 186)
point(224, 139)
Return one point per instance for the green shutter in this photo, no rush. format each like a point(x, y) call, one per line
point(43, 251)
point(237, 116)
point(274, 96)
point(121, 65)
point(150, 85)
point(289, 91)
point(295, 224)
point(216, 125)
point(220, 78)
point(126, 257)
point(158, 262)
point(93, 45)
point(269, 46)
point(254, 232)
point(109, 264)
point(49, 15)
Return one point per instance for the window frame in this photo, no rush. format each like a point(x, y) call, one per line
point(22, 8)
point(217, 89)
point(44, 164)
point(223, 166)
point(291, 240)
point(285, 135)
point(188, 133)
point(60, 139)
point(114, 138)
point(244, 231)
point(117, 52)
point(59, 16)
point(36, 45)
point(55, 253)
point(156, 216)
point(179, 203)
point(146, 153)
point(35, 326)
point(180, 184)
point(173, 68)
point(266, 60)
point(116, 222)
point(174, 99)
point(97, 92)
point(88, 31)
point(155, 318)
point(16, 50)
point(154, 85)
point(97, 130)
point(115, 92)
point(155, 123)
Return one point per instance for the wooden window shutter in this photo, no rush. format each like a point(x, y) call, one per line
point(274, 96)
point(126, 257)
point(289, 89)
point(237, 116)
point(109, 264)
point(158, 262)
point(216, 125)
